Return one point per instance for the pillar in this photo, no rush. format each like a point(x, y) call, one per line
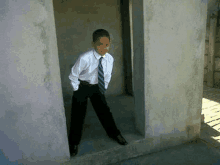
point(211, 53)
point(32, 119)
point(168, 57)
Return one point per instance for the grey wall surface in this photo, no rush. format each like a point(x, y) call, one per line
point(168, 48)
point(216, 61)
point(75, 23)
point(212, 6)
point(32, 120)
point(217, 55)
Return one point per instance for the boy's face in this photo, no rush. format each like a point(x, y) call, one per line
point(102, 45)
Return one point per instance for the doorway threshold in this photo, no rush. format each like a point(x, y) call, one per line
point(102, 150)
point(96, 147)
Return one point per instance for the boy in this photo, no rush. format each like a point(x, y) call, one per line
point(90, 77)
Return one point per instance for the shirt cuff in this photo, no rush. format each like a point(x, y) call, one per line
point(106, 85)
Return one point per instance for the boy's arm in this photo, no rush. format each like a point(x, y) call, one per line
point(78, 67)
point(108, 76)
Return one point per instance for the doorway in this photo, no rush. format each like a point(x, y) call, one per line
point(74, 29)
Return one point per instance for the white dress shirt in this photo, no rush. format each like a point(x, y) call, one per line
point(86, 68)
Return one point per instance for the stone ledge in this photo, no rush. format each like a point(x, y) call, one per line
point(119, 153)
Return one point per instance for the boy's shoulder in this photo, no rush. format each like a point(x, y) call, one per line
point(110, 57)
point(85, 55)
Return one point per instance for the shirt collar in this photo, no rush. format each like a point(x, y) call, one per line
point(97, 55)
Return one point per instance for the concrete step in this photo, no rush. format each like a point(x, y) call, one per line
point(112, 155)
point(103, 150)
point(117, 152)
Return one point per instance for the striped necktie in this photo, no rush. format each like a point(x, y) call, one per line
point(101, 83)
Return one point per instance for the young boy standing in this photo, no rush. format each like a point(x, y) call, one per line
point(90, 77)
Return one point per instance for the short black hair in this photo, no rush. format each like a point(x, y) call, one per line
point(100, 33)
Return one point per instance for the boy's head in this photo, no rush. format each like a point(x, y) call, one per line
point(101, 41)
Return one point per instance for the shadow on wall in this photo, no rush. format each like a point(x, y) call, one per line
point(7, 151)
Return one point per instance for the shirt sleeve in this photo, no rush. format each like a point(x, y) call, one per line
point(109, 74)
point(78, 67)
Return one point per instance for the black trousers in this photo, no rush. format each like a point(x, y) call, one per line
point(79, 106)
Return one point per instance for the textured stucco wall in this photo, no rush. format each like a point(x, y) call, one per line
point(32, 120)
point(75, 23)
point(168, 69)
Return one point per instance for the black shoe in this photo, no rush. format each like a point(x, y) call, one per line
point(73, 150)
point(120, 140)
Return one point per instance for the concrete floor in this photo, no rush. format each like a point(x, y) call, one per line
point(196, 153)
point(95, 139)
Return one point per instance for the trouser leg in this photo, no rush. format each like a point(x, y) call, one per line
point(103, 112)
point(78, 113)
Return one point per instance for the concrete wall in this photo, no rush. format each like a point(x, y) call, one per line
point(212, 8)
point(32, 120)
point(217, 55)
point(168, 48)
point(206, 53)
point(216, 61)
point(75, 23)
